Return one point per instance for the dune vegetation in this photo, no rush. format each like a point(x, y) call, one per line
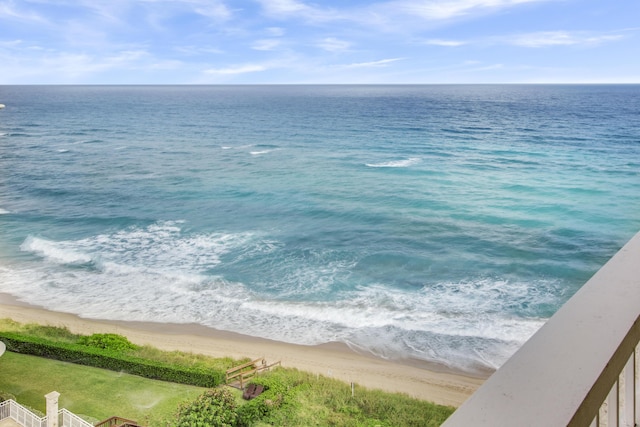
point(290, 397)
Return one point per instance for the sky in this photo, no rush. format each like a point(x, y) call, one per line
point(319, 42)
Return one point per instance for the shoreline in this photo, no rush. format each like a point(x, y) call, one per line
point(334, 360)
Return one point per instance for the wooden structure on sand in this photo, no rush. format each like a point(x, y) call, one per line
point(239, 376)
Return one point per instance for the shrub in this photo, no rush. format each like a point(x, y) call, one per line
point(213, 408)
point(112, 342)
point(277, 400)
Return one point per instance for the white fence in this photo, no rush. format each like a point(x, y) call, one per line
point(20, 414)
point(26, 418)
point(69, 419)
point(580, 368)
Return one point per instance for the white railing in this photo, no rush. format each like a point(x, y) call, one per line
point(69, 419)
point(623, 398)
point(20, 414)
point(26, 418)
point(580, 368)
point(621, 408)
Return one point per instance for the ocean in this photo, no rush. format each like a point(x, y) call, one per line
point(437, 224)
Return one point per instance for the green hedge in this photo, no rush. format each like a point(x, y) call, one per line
point(110, 359)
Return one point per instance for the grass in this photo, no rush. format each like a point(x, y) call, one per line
point(95, 394)
point(321, 401)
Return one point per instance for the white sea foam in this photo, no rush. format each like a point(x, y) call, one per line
point(158, 247)
point(405, 163)
point(57, 252)
point(161, 273)
point(464, 325)
point(391, 324)
point(237, 147)
point(4, 211)
point(260, 152)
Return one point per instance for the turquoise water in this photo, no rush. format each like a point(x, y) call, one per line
point(438, 223)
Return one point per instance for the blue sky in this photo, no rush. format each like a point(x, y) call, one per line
point(301, 41)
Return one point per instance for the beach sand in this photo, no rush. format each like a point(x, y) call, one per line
point(331, 360)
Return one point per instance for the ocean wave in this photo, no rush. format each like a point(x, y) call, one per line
point(238, 147)
point(57, 252)
point(159, 247)
point(395, 163)
point(4, 212)
point(264, 149)
point(163, 272)
point(463, 326)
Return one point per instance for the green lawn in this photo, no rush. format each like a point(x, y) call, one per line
point(95, 394)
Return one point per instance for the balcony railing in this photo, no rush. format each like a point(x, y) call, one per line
point(580, 368)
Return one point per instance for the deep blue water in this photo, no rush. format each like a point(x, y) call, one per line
point(440, 223)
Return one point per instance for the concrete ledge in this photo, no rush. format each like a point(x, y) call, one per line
point(561, 376)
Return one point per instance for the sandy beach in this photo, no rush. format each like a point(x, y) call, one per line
point(331, 360)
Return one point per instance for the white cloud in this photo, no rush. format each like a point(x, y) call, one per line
point(266, 44)
point(446, 43)
point(438, 10)
point(113, 12)
point(284, 6)
point(275, 31)
point(10, 43)
point(292, 8)
point(240, 69)
point(535, 39)
point(197, 50)
point(332, 44)
point(561, 38)
point(9, 11)
point(217, 11)
point(380, 63)
point(60, 67)
point(53, 67)
point(388, 14)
